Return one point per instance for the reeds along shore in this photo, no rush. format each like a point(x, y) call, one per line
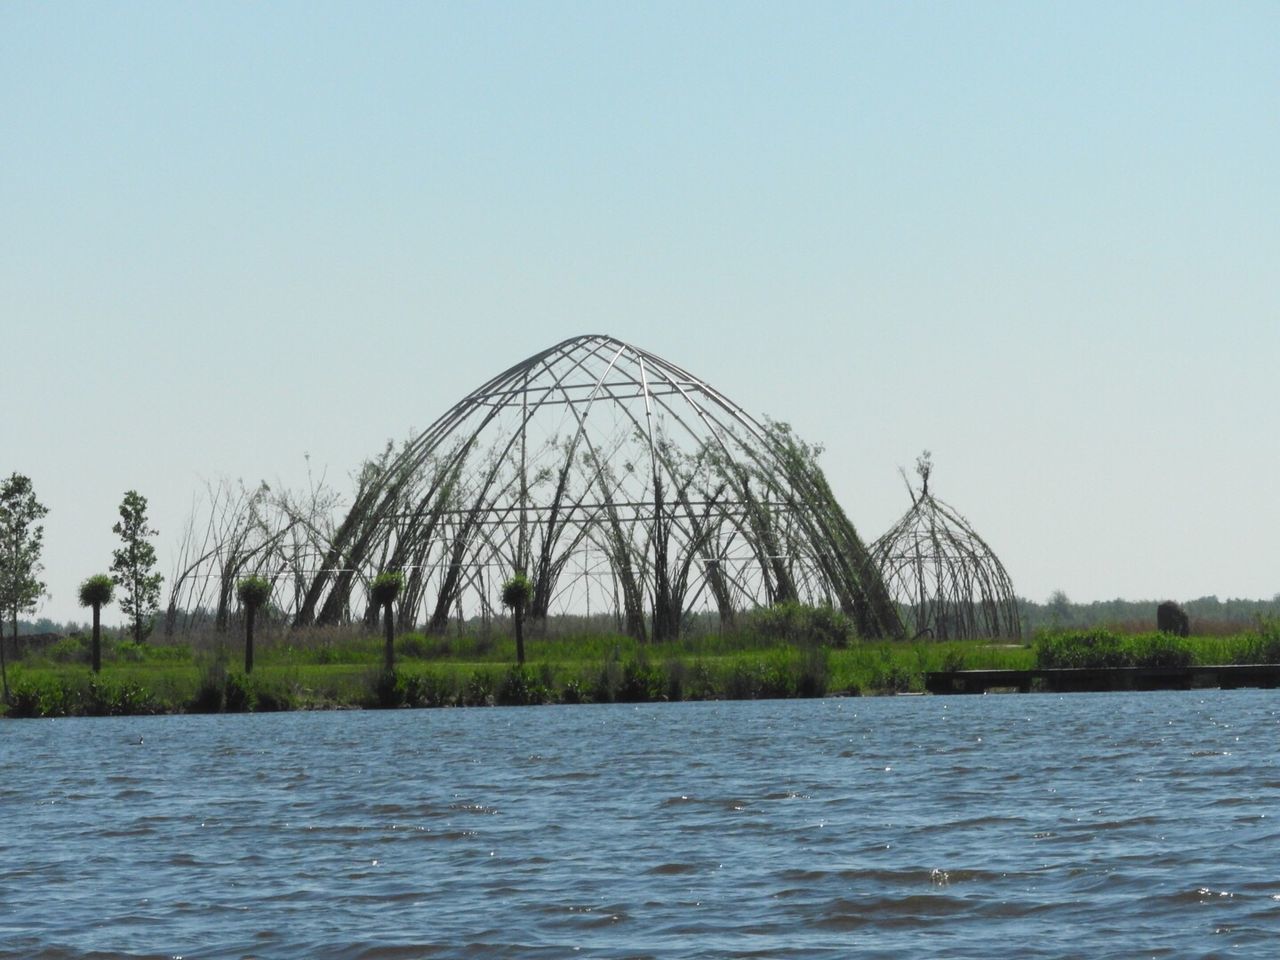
point(336, 669)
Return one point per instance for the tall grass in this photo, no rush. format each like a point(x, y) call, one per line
point(342, 667)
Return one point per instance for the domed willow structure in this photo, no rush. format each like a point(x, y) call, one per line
point(947, 582)
point(618, 483)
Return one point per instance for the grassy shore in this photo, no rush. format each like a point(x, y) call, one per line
point(336, 670)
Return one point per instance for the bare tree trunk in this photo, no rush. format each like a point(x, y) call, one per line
point(97, 638)
point(389, 650)
point(250, 613)
point(4, 671)
point(519, 614)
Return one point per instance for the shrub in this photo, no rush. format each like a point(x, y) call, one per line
point(479, 690)
point(609, 679)
point(130, 652)
point(797, 623)
point(419, 647)
point(72, 649)
point(815, 673)
point(30, 698)
point(641, 682)
point(519, 687)
point(211, 690)
point(385, 690)
point(892, 678)
point(744, 680)
point(1081, 648)
point(238, 694)
point(272, 697)
point(829, 627)
point(106, 699)
point(430, 689)
point(1261, 645)
point(1101, 649)
point(1158, 650)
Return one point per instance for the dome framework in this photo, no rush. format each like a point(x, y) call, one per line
point(947, 582)
point(617, 482)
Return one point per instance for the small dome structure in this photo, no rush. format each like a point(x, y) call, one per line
point(948, 584)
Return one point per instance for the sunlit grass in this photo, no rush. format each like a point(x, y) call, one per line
point(341, 667)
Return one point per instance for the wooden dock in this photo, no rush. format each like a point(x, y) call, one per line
point(1086, 679)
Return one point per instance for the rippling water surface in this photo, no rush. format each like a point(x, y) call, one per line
point(1115, 825)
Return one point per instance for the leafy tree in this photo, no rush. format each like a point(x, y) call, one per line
point(516, 594)
point(96, 592)
point(133, 565)
point(383, 591)
point(252, 592)
point(1059, 609)
point(21, 539)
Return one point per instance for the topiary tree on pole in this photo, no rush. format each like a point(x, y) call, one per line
point(516, 594)
point(383, 591)
point(96, 592)
point(252, 592)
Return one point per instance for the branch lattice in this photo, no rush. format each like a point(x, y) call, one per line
point(612, 478)
point(948, 583)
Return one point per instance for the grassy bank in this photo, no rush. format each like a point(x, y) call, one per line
point(341, 669)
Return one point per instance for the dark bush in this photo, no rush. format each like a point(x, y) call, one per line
point(815, 674)
point(238, 694)
point(572, 692)
point(480, 689)
point(642, 682)
point(519, 687)
point(609, 680)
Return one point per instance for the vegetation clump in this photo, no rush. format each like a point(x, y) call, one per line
point(1102, 649)
point(252, 592)
point(383, 591)
point(96, 592)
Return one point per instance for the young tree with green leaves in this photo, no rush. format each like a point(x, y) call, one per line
point(21, 540)
point(383, 591)
point(516, 594)
point(252, 593)
point(96, 592)
point(133, 565)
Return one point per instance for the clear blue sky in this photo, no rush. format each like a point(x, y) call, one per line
point(1040, 240)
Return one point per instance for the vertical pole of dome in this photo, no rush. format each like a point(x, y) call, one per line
point(522, 545)
point(664, 623)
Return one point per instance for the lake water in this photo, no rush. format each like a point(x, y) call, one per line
point(1109, 825)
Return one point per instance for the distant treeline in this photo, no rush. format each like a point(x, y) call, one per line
point(1207, 614)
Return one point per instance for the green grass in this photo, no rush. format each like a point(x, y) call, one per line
point(342, 668)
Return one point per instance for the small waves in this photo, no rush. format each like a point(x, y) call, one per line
point(1086, 826)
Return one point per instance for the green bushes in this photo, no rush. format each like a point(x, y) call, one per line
point(80, 695)
point(796, 623)
point(330, 669)
point(521, 686)
point(1101, 649)
point(1092, 648)
point(1261, 645)
point(1158, 650)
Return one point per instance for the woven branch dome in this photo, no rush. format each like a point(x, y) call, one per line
point(946, 581)
point(618, 482)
